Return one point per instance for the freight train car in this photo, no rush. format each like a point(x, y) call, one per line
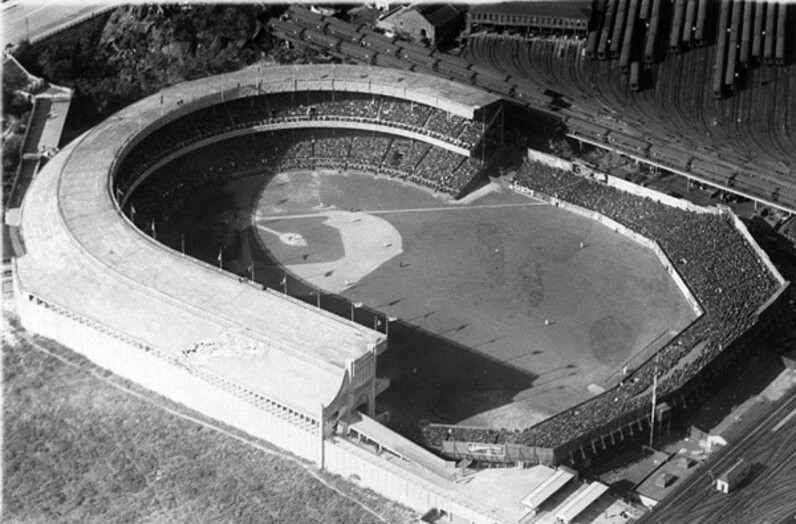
point(286, 28)
point(768, 44)
point(584, 128)
point(344, 30)
point(781, 25)
point(670, 156)
point(359, 53)
point(652, 35)
point(746, 33)
point(415, 48)
point(619, 29)
point(644, 12)
point(387, 60)
point(721, 50)
point(605, 34)
point(699, 31)
point(380, 44)
point(690, 21)
point(529, 93)
point(321, 40)
point(306, 18)
point(455, 71)
point(421, 59)
point(732, 46)
point(677, 26)
point(757, 31)
point(635, 79)
point(637, 145)
point(627, 41)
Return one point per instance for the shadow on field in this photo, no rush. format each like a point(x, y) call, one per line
point(431, 377)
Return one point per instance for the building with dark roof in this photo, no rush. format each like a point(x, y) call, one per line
point(428, 23)
point(527, 17)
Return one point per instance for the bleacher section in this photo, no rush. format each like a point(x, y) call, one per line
point(730, 282)
point(284, 108)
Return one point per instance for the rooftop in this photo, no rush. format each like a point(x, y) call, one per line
point(577, 9)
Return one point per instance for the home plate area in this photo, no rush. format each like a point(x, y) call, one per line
point(314, 254)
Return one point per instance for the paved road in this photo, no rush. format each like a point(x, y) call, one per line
point(770, 446)
point(29, 19)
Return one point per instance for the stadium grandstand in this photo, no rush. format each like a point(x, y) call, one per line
point(556, 77)
point(738, 289)
point(196, 333)
point(95, 278)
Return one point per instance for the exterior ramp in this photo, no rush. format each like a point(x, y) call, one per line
point(579, 501)
point(547, 489)
point(386, 439)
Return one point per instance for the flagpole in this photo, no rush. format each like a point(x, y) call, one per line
point(654, 399)
point(182, 241)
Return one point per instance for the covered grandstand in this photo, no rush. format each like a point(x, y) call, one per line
point(204, 337)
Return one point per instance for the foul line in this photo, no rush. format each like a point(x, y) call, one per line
point(397, 211)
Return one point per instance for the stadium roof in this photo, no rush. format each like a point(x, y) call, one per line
point(85, 256)
point(577, 10)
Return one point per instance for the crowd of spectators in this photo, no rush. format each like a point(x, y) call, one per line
point(720, 268)
point(298, 106)
point(274, 151)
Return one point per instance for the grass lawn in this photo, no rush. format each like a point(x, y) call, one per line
point(473, 287)
point(82, 445)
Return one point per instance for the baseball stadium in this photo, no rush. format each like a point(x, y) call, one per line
point(326, 257)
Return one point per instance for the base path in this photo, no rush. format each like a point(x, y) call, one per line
point(368, 242)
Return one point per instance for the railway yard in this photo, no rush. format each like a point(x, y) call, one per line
point(737, 135)
point(770, 447)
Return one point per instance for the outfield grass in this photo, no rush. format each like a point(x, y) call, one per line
point(82, 445)
point(473, 289)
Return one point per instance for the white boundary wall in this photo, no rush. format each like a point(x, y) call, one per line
point(549, 160)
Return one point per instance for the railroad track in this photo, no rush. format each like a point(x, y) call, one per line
point(696, 499)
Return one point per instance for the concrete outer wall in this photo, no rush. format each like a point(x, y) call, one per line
point(398, 483)
point(159, 371)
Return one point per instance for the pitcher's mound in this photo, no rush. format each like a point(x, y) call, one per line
point(292, 239)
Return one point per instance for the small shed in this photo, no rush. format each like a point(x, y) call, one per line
point(730, 479)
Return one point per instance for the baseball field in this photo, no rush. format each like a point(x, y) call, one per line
point(505, 310)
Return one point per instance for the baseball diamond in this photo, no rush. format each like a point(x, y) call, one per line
point(287, 250)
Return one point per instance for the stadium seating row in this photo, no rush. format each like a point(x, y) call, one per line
point(399, 157)
point(285, 107)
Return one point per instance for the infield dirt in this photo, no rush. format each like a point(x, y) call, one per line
point(509, 310)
